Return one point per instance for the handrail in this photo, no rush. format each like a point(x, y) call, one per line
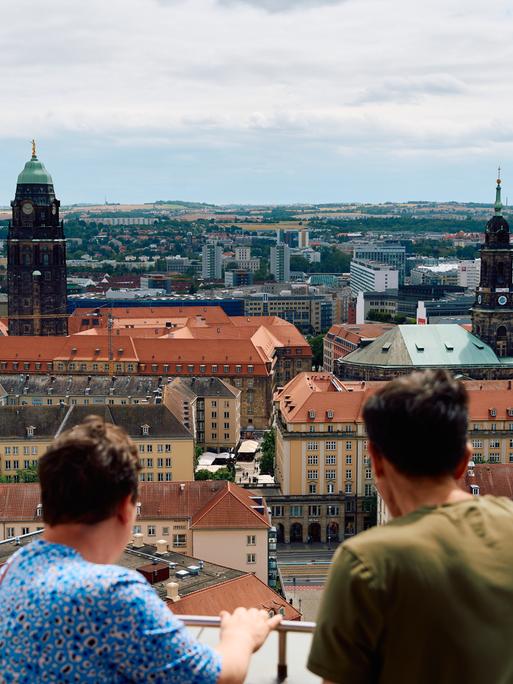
point(283, 629)
point(17, 538)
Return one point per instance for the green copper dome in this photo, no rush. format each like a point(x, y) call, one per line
point(34, 171)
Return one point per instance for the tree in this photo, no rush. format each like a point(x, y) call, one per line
point(221, 474)
point(317, 345)
point(268, 450)
point(29, 474)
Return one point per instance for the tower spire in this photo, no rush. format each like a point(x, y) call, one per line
point(34, 155)
point(498, 203)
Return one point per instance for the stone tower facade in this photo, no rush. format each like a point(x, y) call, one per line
point(36, 256)
point(492, 312)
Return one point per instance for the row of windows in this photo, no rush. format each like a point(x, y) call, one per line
point(15, 464)
point(15, 451)
point(127, 367)
point(161, 462)
point(16, 531)
point(160, 448)
point(296, 511)
point(493, 457)
point(151, 531)
point(161, 477)
point(348, 488)
point(329, 459)
point(329, 446)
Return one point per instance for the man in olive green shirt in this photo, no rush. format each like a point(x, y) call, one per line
point(427, 598)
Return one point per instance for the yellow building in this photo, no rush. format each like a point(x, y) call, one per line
point(165, 446)
point(209, 407)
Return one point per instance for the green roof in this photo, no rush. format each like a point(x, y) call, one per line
point(34, 173)
point(425, 346)
point(323, 279)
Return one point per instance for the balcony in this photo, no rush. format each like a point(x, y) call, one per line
point(282, 657)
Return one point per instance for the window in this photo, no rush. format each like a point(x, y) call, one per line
point(349, 474)
point(214, 368)
point(478, 443)
point(494, 443)
point(368, 473)
point(168, 448)
point(160, 477)
point(349, 487)
point(149, 447)
point(331, 446)
point(331, 475)
point(169, 477)
point(277, 511)
point(495, 458)
point(296, 511)
point(332, 510)
point(312, 488)
point(10, 532)
point(227, 414)
point(151, 531)
point(160, 448)
point(369, 490)
point(214, 414)
point(312, 428)
point(180, 540)
point(190, 368)
point(226, 369)
point(251, 369)
point(149, 477)
point(251, 558)
point(178, 367)
point(165, 531)
point(238, 369)
point(141, 447)
point(25, 530)
point(250, 540)
point(312, 474)
point(349, 445)
point(511, 458)
point(313, 446)
point(7, 451)
point(313, 459)
point(160, 462)
point(349, 459)
point(202, 368)
point(168, 463)
point(331, 459)
point(314, 511)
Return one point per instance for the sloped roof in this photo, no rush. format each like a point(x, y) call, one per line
point(14, 421)
point(19, 501)
point(231, 508)
point(425, 346)
point(246, 591)
point(492, 478)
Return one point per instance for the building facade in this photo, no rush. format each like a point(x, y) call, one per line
point(211, 261)
point(393, 255)
point(280, 262)
point(36, 256)
point(372, 276)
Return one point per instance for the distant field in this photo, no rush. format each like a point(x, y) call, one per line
point(284, 225)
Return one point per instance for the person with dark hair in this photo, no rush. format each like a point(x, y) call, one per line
point(428, 597)
point(68, 615)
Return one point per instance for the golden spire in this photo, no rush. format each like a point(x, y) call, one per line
point(34, 156)
point(499, 176)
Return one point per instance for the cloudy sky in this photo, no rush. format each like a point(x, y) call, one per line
point(259, 100)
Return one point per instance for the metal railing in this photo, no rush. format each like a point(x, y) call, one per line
point(16, 540)
point(283, 629)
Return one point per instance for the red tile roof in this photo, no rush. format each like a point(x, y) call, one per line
point(207, 504)
point(246, 591)
point(232, 507)
point(491, 478)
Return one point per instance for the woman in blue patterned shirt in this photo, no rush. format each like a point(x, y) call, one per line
point(68, 615)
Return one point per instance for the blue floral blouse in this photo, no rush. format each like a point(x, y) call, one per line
point(63, 619)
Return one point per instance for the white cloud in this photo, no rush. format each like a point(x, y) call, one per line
point(359, 75)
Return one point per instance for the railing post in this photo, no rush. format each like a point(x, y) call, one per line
point(282, 655)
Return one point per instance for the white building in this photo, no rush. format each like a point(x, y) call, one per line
point(469, 273)
point(242, 253)
point(444, 273)
point(280, 262)
point(371, 276)
point(211, 260)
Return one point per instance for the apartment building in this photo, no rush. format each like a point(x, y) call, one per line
point(309, 313)
point(166, 447)
point(209, 408)
point(216, 521)
point(343, 339)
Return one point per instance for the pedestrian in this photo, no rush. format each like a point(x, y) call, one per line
point(428, 597)
point(68, 614)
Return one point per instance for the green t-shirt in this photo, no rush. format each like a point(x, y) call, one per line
point(427, 598)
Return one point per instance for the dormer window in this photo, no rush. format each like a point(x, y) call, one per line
point(493, 412)
point(474, 489)
point(145, 430)
point(329, 413)
point(39, 510)
point(138, 508)
point(311, 414)
point(30, 430)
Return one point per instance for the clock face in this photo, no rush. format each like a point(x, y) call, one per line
point(502, 300)
point(27, 208)
point(479, 299)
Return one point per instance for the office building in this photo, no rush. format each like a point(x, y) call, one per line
point(280, 262)
point(372, 276)
point(393, 255)
point(211, 261)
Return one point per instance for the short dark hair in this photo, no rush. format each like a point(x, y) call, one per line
point(86, 472)
point(418, 422)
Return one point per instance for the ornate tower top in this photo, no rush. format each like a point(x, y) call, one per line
point(498, 203)
point(34, 172)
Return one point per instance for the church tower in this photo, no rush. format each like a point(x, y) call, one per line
point(492, 312)
point(36, 256)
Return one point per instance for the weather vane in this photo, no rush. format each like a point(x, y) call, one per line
point(33, 147)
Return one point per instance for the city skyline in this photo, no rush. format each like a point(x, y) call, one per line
point(238, 101)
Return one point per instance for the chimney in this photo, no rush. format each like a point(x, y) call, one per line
point(161, 546)
point(172, 591)
point(138, 542)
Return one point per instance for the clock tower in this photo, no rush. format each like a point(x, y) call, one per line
point(492, 312)
point(36, 256)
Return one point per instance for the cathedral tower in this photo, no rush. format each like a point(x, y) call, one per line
point(36, 256)
point(492, 312)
